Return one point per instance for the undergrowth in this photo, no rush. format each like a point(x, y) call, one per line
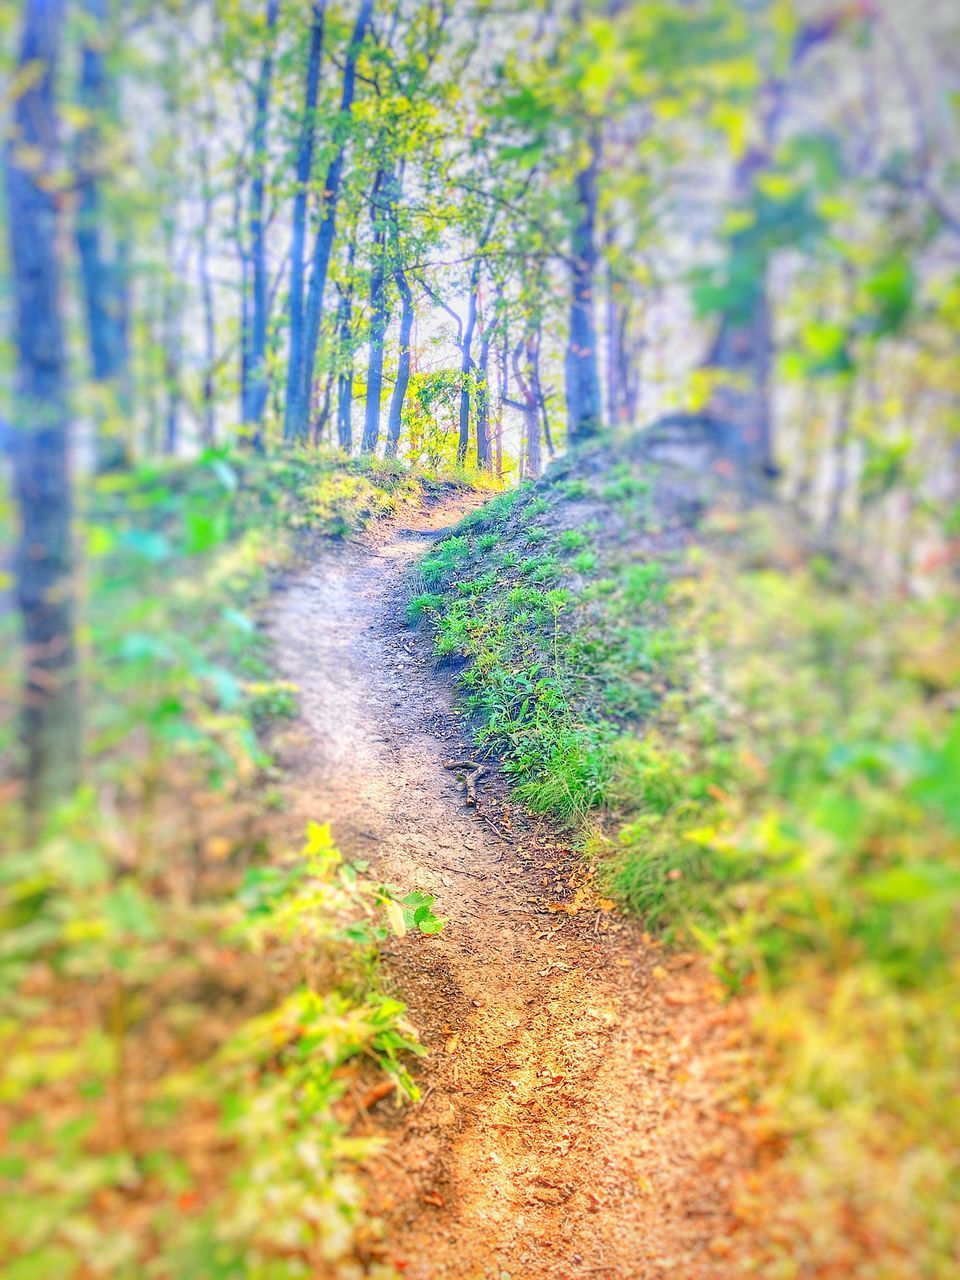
point(186, 1008)
point(763, 757)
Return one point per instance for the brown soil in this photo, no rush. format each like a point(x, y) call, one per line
point(579, 1113)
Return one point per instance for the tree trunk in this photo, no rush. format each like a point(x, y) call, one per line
point(102, 280)
point(258, 387)
point(484, 460)
point(613, 360)
point(841, 450)
point(622, 386)
point(345, 357)
point(630, 350)
point(345, 409)
point(466, 364)
point(296, 422)
point(244, 290)
point(531, 452)
point(304, 170)
point(743, 350)
point(395, 421)
point(582, 376)
point(209, 429)
point(172, 344)
point(743, 347)
point(323, 417)
point(537, 388)
point(380, 205)
point(504, 390)
point(39, 438)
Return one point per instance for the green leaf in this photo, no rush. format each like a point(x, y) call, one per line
point(889, 293)
point(129, 911)
point(205, 531)
point(914, 883)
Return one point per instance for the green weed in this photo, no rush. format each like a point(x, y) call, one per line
point(572, 540)
point(439, 568)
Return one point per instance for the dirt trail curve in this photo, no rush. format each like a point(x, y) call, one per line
point(569, 1124)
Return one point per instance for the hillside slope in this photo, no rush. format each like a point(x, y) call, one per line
point(758, 753)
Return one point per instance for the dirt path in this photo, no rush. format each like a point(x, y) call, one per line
point(569, 1124)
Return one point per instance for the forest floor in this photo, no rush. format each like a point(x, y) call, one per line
point(580, 1111)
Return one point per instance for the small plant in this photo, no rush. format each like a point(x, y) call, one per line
point(440, 567)
point(271, 699)
point(453, 631)
point(574, 490)
point(477, 586)
point(425, 605)
point(644, 584)
point(585, 563)
point(546, 571)
point(624, 487)
point(572, 540)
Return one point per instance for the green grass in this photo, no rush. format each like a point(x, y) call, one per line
point(573, 540)
point(440, 567)
point(540, 679)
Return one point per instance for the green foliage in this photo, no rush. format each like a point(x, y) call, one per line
point(539, 677)
point(585, 563)
point(794, 811)
point(135, 1016)
point(622, 485)
point(438, 568)
point(573, 539)
point(889, 292)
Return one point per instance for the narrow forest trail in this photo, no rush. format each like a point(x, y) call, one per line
point(570, 1123)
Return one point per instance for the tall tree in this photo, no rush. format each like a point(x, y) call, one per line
point(208, 394)
point(102, 276)
point(344, 354)
point(466, 357)
point(39, 437)
point(297, 417)
point(257, 386)
point(382, 199)
point(304, 170)
point(484, 454)
point(582, 361)
point(743, 347)
point(523, 359)
point(395, 420)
